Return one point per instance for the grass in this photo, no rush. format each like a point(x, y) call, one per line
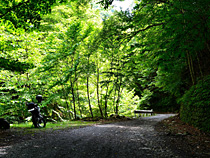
point(29, 128)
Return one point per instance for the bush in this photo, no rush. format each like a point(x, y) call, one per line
point(195, 105)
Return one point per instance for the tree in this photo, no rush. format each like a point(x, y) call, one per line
point(25, 13)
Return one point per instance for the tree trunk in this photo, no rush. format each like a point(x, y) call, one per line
point(107, 89)
point(79, 100)
point(189, 62)
point(118, 97)
point(106, 100)
point(88, 95)
point(98, 98)
point(114, 100)
point(73, 98)
point(199, 65)
point(66, 98)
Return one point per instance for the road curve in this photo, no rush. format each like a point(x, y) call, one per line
point(129, 139)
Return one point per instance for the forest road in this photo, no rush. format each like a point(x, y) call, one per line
point(129, 139)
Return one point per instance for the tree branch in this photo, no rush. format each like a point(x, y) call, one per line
point(141, 30)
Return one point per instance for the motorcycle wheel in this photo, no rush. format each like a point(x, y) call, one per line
point(39, 122)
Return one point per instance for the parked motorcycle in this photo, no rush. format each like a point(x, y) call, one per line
point(37, 119)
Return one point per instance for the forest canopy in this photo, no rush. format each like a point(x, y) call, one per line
point(89, 60)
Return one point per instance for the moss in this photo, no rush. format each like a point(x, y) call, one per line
point(195, 105)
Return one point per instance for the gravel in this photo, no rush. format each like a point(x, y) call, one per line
point(128, 139)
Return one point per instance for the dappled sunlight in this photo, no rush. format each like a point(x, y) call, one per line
point(125, 127)
point(138, 123)
point(122, 126)
point(111, 126)
point(3, 150)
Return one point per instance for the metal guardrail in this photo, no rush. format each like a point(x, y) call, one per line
point(143, 112)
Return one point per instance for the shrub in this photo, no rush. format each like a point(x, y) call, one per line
point(195, 105)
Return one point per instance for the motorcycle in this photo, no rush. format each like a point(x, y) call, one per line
point(37, 119)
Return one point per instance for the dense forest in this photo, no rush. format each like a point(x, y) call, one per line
point(89, 60)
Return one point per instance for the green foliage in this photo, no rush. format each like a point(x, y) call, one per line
point(14, 65)
point(129, 103)
point(144, 101)
point(195, 105)
point(163, 102)
point(167, 57)
point(24, 14)
point(20, 54)
point(86, 61)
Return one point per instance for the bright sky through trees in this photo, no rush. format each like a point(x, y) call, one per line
point(123, 5)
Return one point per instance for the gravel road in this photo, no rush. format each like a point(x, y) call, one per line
point(128, 139)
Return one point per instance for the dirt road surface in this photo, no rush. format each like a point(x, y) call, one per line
point(128, 139)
